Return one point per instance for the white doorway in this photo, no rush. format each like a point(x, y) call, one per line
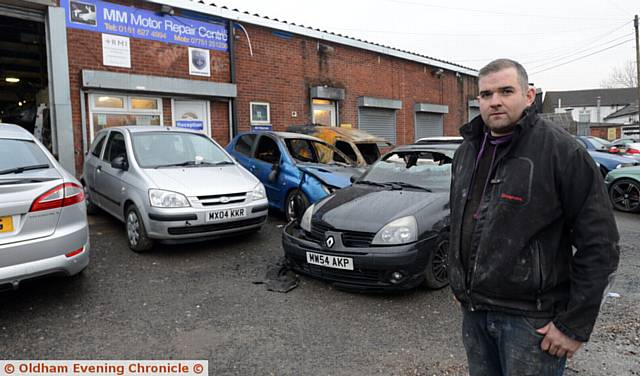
point(191, 114)
point(324, 112)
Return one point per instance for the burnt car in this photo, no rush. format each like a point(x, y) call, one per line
point(387, 231)
point(358, 145)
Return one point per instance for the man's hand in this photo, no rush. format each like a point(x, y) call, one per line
point(557, 343)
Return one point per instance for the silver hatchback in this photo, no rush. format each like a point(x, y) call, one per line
point(170, 184)
point(43, 222)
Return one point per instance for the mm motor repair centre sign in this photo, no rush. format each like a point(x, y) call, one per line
point(104, 17)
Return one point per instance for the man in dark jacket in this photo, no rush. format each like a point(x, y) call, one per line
point(523, 193)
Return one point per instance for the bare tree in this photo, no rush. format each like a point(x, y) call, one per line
point(622, 76)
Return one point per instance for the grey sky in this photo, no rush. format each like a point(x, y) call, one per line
point(540, 34)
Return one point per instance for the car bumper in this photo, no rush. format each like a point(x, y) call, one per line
point(23, 260)
point(186, 224)
point(372, 266)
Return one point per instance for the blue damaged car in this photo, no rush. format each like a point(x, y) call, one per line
point(297, 170)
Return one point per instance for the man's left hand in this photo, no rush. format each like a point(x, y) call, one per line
point(557, 343)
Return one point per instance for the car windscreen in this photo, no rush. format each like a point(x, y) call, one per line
point(599, 143)
point(426, 169)
point(166, 149)
point(21, 155)
point(306, 150)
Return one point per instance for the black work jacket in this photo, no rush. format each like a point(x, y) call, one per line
point(545, 195)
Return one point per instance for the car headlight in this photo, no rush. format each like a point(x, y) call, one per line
point(167, 199)
point(305, 222)
point(400, 231)
point(258, 192)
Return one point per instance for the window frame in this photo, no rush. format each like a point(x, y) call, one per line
point(252, 120)
point(125, 110)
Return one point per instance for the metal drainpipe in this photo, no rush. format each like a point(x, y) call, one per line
point(83, 122)
point(232, 69)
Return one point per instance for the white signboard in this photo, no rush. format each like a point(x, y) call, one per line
point(116, 51)
point(199, 63)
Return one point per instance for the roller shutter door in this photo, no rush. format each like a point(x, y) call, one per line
point(429, 125)
point(378, 121)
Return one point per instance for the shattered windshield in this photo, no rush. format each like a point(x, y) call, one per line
point(426, 169)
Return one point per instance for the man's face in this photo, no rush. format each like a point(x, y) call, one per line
point(502, 100)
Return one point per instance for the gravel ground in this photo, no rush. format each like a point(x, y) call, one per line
point(199, 301)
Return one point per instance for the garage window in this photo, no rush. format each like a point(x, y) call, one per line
point(109, 110)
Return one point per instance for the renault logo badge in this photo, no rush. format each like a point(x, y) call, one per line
point(330, 241)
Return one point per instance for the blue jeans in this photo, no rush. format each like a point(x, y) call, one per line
point(501, 344)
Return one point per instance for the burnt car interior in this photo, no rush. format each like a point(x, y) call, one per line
point(268, 151)
point(369, 151)
point(23, 75)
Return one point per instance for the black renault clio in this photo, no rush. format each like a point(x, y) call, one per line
point(388, 231)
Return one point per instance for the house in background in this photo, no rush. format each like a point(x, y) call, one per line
point(589, 106)
point(605, 113)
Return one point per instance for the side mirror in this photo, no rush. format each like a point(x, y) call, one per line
point(275, 170)
point(120, 163)
point(354, 177)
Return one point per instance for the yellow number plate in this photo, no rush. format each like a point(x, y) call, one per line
point(6, 224)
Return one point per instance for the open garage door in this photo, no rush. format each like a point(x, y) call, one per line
point(24, 92)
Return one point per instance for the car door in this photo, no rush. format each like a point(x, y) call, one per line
point(91, 164)
point(243, 148)
point(109, 184)
point(267, 156)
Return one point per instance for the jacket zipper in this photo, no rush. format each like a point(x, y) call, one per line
point(538, 271)
point(497, 167)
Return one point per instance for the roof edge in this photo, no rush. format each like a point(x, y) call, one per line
point(238, 16)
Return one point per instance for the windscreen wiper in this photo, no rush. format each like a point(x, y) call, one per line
point(402, 184)
point(180, 164)
point(368, 182)
point(221, 163)
point(19, 170)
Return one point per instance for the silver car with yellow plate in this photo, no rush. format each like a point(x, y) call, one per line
point(43, 222)
point(170, 184)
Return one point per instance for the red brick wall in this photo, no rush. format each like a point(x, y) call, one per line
point(281, 72)
point(604, 132)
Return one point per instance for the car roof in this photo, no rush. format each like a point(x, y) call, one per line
point(14, 131)
point(354, 134)
point(285, 135)
point(440, 140)
point(150, 128)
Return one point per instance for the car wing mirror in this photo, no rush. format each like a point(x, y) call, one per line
point(120, 163)
point(275, 170)
point(354, 177)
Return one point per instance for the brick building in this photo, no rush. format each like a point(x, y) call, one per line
point(171, 62)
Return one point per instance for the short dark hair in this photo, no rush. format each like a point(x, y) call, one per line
point(500, 64)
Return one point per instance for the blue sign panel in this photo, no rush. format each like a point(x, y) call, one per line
point(261, 128)
point(103, 17)
point(196, 125)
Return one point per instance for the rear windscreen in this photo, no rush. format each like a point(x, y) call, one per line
point(20, 153)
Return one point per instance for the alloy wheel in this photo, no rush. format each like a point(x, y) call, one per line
point(625, 195)
point(133, 228)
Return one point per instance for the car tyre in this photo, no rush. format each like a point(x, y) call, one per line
point(436, 276)
point(136, 233)
point(625, 195)
point(91, 207)
point(295, 204)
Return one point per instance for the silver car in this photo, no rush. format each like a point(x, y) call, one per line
point(43, 222)
point(170, 184)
